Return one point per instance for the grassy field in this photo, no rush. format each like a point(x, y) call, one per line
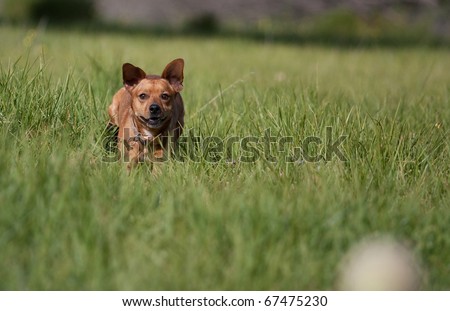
point(71, 219)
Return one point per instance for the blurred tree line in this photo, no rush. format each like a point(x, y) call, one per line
point(319, 20)
point(56, 11)
point(150, 11)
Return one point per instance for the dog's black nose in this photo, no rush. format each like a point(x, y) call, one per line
point(154, 108)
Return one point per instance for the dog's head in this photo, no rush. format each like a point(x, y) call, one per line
point(153, 96)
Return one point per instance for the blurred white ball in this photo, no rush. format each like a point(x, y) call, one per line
point(380, 263)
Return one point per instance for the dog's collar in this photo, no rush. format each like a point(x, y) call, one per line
point(143, 139)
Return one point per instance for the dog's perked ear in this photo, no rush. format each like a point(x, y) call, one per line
point(174, 74)
point(132, 75)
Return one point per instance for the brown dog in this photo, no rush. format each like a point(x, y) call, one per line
point(149, 112)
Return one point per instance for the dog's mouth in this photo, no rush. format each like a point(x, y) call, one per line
point(153, 121)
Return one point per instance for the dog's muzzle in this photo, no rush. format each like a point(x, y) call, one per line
point(155, 109)
point(156, 118)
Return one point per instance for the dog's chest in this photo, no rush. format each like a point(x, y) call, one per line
point(147, 134)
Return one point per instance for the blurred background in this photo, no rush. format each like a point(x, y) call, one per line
point(331, 21)
point(376, 221)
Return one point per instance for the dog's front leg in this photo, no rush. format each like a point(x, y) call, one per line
point(135, 154)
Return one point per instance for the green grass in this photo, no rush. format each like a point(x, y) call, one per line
point(71, 220)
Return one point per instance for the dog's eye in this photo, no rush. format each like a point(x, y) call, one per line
point(165, 96)
point(143, 96)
